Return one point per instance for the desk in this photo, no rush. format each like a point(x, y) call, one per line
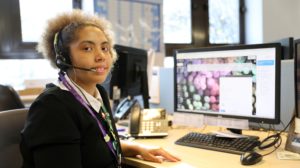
point(29, 95)
point(28, 99)
point(195, 157)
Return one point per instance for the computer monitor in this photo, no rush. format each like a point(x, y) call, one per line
point(297, 77)
point(293, 139)
point(287, 47)
point(129, 74)
point(240, 81)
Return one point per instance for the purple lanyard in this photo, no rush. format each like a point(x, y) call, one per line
point(79, 98)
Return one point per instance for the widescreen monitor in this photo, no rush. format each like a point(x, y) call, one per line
point(293, 139)
point(240, 81)
point(297, 77)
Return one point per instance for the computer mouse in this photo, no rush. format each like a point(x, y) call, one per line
point(250, 158)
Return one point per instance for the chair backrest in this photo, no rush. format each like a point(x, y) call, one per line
point(11, 124)
point(9, 99)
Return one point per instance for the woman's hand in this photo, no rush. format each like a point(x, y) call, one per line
point(157, 155)
point(147, 153)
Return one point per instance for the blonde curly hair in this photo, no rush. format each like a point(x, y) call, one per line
point(67, 24)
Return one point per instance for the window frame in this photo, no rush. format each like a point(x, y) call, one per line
point(12, 47)
point(200, 27)
point(11, 44)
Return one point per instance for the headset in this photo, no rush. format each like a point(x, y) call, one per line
point(274, 140)
point(61, 61)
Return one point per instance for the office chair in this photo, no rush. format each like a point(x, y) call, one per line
point(9, 98)
point(11, 124)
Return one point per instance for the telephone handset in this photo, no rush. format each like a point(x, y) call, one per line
point(135, 117)
point(148, 122)
point(123, 108)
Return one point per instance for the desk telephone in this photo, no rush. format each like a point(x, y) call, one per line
point(143, 122)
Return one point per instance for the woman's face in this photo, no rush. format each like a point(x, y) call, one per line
point(90, 49)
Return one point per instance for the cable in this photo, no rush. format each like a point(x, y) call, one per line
point(292, 119)
point(283, 125)
point(81, 91)
point(276, 146)
point(276, 139)
point(273, 138)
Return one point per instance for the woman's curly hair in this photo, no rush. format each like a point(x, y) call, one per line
point(67, 24)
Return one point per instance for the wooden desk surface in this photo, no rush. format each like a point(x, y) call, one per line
point(195, 157)
point(28, 99)
point(29, 95)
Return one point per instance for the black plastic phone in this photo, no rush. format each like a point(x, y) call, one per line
point(123, 108)
point(135, 117)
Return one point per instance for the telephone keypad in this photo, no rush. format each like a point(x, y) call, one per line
point(152, 126)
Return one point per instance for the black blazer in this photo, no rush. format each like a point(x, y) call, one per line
point(60, 133)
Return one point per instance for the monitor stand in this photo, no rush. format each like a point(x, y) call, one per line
point(233, 124)
point(293, 139)
point(234, 130)
point(239, 132)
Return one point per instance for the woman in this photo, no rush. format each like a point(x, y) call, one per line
point(70, 124)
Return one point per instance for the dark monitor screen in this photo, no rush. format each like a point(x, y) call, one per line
point(230, 81)
point(287, 47)
point(293, 139)
point(297, 77)
point(129, 73)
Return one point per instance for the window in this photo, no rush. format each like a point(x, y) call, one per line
point(223, 21)
point(213, 23)
point(37, 17)
point(22, 25)
point(177, 21)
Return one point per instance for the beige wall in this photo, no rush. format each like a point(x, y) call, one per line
point(271, 20)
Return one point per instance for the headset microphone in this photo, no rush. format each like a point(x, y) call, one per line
point(65, 65)
point(85, 69)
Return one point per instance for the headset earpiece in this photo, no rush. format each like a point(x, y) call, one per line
point(60, 60)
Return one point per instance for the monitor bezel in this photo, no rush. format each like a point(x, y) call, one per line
point(296, 66)
point(127, 54)
point(277, 47)
point(287, 48)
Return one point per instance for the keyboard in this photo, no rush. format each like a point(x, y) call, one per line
point(212, 142)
